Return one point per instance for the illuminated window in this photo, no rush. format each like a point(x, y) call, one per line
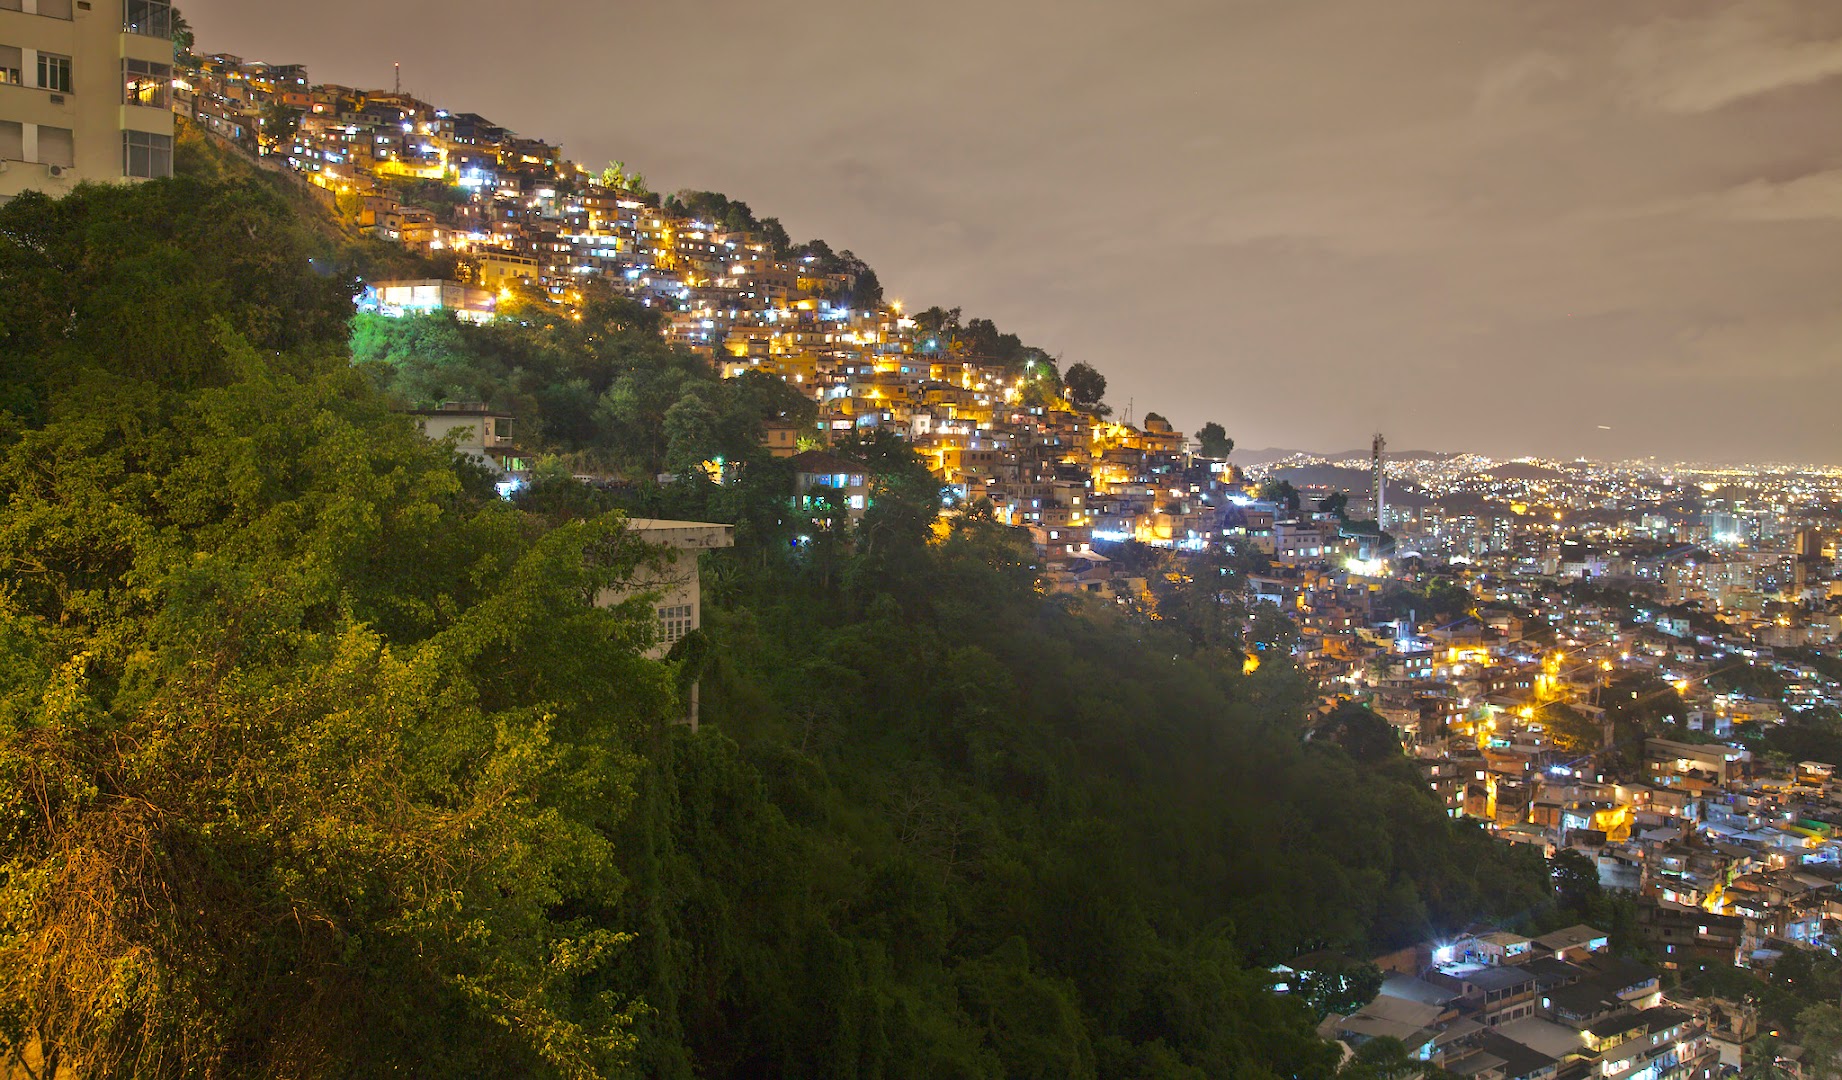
point(10, 59)
point(145, 83)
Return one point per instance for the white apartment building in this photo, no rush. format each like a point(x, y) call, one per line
point(85, 93)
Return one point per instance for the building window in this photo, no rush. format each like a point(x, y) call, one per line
point(147, 155)
point(10, 59)
point(54, 72)
point(145, 83)
point(12, 140)
point(57, 146)
point(150, 18)
point(674, 623)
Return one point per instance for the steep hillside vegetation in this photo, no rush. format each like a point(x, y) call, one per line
point(317, 761)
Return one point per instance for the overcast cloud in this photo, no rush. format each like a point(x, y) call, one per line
point(1471, 224)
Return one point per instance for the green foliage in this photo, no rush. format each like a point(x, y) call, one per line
point(1440, 600)
point(617, 176)
point(988, 817)
point(313, 749)
point(1571, 729)
point(1282, 494)
point(1086, 387)
point(318, 761)
point(715, 209)
point(603, 387)
point(1638, 705)
point(151, 277)
point(1340, 987)
point(1820, 1028)
point(1576, 883)
point(1804, 736)
point(322, 744)
point(183, 38)
point(1212, 439)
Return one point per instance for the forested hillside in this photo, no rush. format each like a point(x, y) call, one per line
point(317, 761)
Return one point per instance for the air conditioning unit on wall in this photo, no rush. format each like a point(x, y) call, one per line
point(59, 170)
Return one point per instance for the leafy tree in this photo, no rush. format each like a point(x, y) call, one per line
point(327, 757)
point(1387, 1058)
point(1819, 1028)
point(616, 175)
point(1340, 987)
point(183, 39)
point(939, 328)
point(279, 123)
point(1213, 440)
point(1576, 883)
point(1570, 728)
point(1281, 493)
point(1337, 502)
point(779, 243)
point(1086, 387)
point(690, 433)
point(715, 208)
point(1362, 734)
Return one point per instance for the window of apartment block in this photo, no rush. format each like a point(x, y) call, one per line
point(12, 140)
point(10, 5)
point(54, 72)
point(147, 155)
point(10, 59)
point(57, 146)
point(152, 18)
point(145, 83)
point(57, 9)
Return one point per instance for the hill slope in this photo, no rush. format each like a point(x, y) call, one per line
point(323, 746)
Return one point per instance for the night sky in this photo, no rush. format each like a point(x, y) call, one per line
point(1472, 224)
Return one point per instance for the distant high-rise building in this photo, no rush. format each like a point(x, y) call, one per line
point(1380, 481)
point(85, 93)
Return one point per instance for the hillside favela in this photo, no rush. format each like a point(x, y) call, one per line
point(471, 607)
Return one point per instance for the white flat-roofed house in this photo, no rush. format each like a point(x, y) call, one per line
point(480, 433)
point(399, 298)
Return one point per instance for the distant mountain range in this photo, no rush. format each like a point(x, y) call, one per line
point(1274, 453)
point(1355, 481)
